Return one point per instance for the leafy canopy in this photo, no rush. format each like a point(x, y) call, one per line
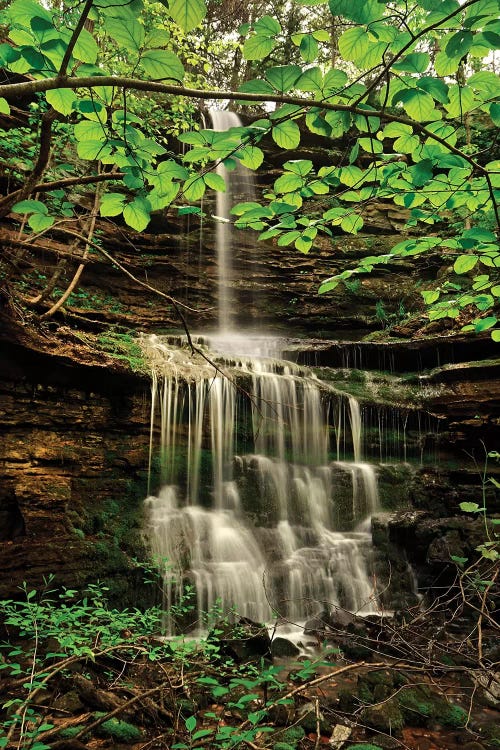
point(405, 87)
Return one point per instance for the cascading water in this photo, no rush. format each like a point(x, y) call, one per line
point(247, 511)
point(253, 509)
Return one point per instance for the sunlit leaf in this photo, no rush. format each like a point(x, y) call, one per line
point(137, 214)
point(162, 65)
point(286, 134)
point(62, 100)
point(187, 14)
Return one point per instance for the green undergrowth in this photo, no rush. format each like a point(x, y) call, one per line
point(124, 347)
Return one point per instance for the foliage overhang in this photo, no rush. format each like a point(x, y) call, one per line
point(407, 88)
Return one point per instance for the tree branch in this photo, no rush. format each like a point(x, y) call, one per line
point(9, 91)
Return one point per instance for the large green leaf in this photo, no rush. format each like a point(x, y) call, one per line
point(435, 87)
point(22, 11)
point(309, 48)
point(459, 44)
point(215, 181)
point(4, 106)
point(286, 134)
point(256, 86)
point(461, 100)
point(258, 46)
point(86, 49)
point(62, 100)
point(112, 204)
point(137, 214)
point(87, 130)
point(251, 156)
point(310, 80)
point(355, 45)
point(162, 65)
point(30, 206)
point(267, 25)
point(465, 263)
point(360, 11)
point(416, 62)
point(194, 188)
point(283, 77)
point(288, 182)
point(418, 104)
point(187, 14)
point(128, 33)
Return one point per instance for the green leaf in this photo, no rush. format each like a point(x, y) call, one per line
point(418, 104)
point(251, 156)
point(461, 100)
point(286, 134)
point(310, 80)
point(416, 62)
point(258, 46)
point(137, 214)
point(334, 80)
point(352, 223)
point(267, 25)
point(92, 150)
point(431, 296)
point(30, 206)
point(187, 14)
point(162, 65)
point(215, 181)
point(86, 49)
point(355, 45)
point(283, 77)
point(494, 113)
point(287, 183)
point(301, 167)
point(469, 507)
point(88, 130)
point(62, 100)
point(445, 65)
point(371, 145)
point(435, 87)
point(351, 176)
point(194, 188)
point(360, 11)
point(190, 723)
point(459, 44)
point(256, 86)
point(128, 33)
point(39, 222)
point(4, 107)
point(112, 204)
point(309, 48)
point(485, 323)
point(495, 335)
point(464, 263)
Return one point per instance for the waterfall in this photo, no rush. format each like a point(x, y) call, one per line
point(247, 507)
point(252, 508)
point(239, 187)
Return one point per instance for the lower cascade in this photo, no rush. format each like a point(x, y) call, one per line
point(264, 500)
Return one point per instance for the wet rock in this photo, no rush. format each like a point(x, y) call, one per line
point(282, 648)
point(243, 641)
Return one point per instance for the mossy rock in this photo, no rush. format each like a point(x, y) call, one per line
point(420, 706)
point(119, 731)
point(385, 717)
